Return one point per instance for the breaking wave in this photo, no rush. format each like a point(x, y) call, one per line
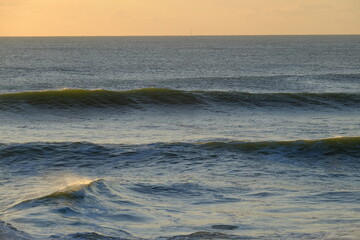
point(70, 192)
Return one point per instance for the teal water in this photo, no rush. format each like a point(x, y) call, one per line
point(180, 137)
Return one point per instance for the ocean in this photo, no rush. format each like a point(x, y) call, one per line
point(194, 137)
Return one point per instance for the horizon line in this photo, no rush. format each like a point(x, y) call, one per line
point(183, 35)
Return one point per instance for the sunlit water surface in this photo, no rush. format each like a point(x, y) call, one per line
point(180, 138)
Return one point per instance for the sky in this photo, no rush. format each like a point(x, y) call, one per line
point(178, 17)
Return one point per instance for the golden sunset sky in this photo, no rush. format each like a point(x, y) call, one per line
point(177, 17)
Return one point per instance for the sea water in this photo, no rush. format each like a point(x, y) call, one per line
point(237, 137)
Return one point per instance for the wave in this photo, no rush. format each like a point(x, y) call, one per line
point(9, 232)
point(207, 235)
point(93, 235)
point(328, 146)
point(76, 191)
point(141, 98)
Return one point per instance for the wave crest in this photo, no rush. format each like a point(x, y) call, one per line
point(326, 146)
point(74, 191)
point(138, 98)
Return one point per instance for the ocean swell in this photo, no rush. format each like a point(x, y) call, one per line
point(328, 146)
point(141, 98)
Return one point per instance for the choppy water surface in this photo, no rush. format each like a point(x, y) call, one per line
point(180, 138)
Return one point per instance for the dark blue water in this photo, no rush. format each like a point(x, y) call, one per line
point(180, 137)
